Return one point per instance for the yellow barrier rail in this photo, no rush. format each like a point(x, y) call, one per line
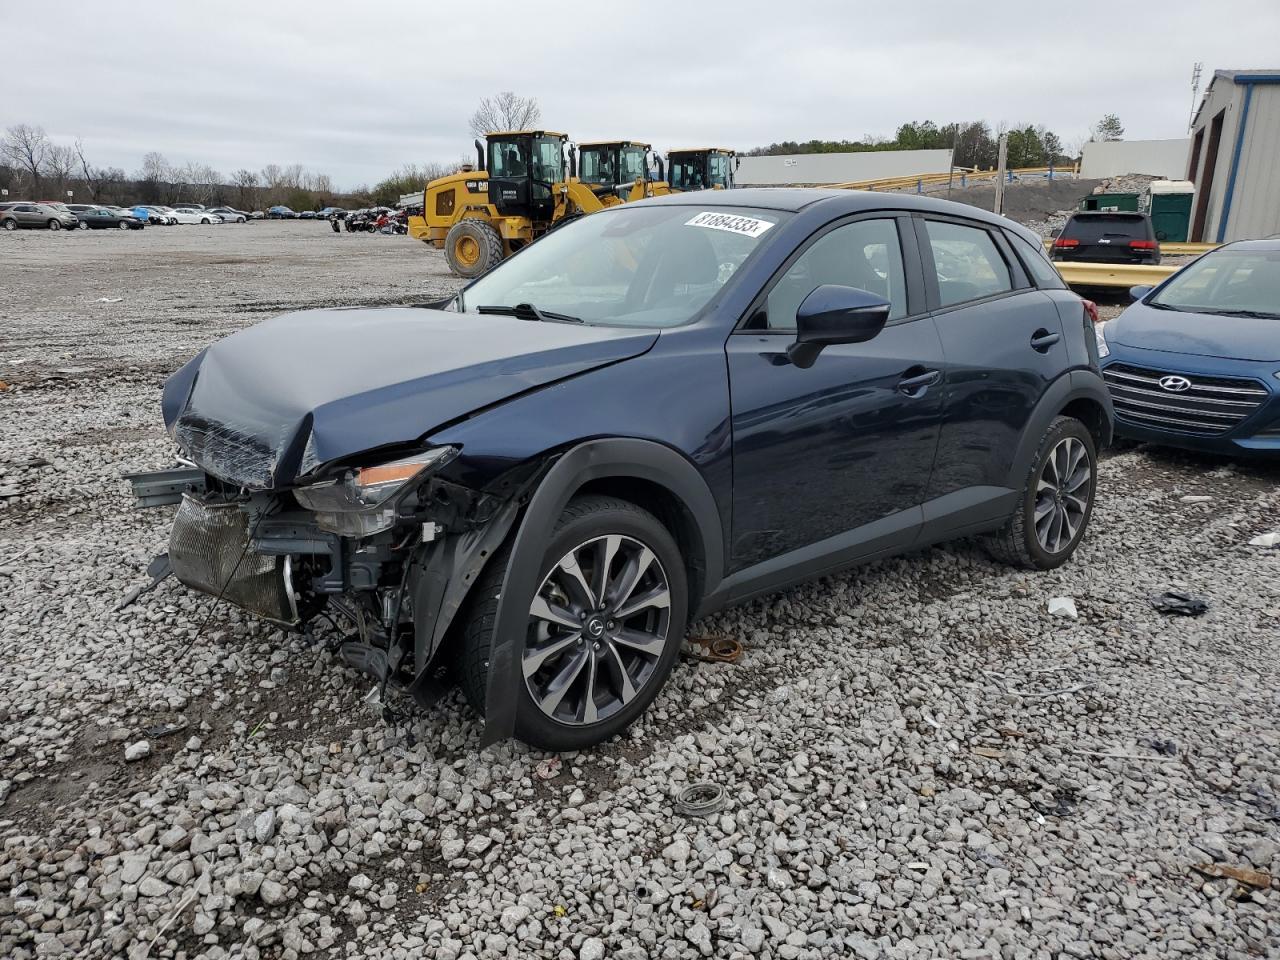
point(1114, 274)
point(959, 178)
point(1171, 247)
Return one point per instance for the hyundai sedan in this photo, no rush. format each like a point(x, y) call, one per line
point(650, 413)
point(1195, 361)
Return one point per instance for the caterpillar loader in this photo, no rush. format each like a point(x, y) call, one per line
point(521, 191)
point(701, 168)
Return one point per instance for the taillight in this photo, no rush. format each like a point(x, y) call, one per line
point(1143, 244)
point(1065, 242)
point(1090, 310)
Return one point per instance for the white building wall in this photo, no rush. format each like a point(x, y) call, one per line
point(1255, 201)
point(819, 168)
point(1160, 158)
point(1223, 97)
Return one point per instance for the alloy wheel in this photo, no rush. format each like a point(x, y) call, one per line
point(1062, 495)
point(598, 626)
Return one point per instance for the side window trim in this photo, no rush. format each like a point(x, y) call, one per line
point(917, 304)
point(1026, 256)
point(930, 268)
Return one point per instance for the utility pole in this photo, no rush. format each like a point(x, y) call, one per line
point(998, 207)
point(1195, 92)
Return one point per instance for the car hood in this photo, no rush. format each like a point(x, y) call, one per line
point(271, 403)
point(1202, 334)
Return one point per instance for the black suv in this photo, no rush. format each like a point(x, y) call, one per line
point(1107, 237)
point(650, 413)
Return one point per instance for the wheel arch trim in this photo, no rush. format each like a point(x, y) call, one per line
point(1073, 386)
point(579, 465)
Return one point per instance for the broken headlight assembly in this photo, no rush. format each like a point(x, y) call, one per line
point(363, 501)
point(1100, 331)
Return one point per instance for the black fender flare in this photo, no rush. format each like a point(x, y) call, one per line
point(1073, 385)
point(587, 461)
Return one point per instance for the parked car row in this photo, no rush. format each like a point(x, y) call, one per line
point(55, 215)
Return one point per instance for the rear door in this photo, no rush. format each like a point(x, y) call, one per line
point(847, 444)
point(1003, 344)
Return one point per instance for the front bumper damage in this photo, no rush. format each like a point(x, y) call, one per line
point(399, 590)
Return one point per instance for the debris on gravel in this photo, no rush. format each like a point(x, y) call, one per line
point(919, 759)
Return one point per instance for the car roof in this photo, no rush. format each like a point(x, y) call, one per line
point(836, 202)
point(1265, 245)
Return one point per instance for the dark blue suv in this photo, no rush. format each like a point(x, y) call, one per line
point(648, 414)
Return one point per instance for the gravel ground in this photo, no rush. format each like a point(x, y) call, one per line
point(919, 760)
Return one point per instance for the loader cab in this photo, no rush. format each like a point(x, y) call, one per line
point(606, 165)
point(524, 166)
point(703, 168)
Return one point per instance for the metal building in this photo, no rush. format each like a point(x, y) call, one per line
point(1235, 142)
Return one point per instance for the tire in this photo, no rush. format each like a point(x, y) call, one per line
point(11, 224)
point(585, 529)
point(55, 225)
point(82, 225)
point(473, 248)
point(1023, 543)
point(122, 225)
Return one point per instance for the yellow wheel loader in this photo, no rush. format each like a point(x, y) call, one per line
point(520, 191)
point(701, 168)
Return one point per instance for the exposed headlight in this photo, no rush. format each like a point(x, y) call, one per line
point(1099, 331)
point(363, 502)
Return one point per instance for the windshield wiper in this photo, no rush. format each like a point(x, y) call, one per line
point(527, 311)
point(1262, 314)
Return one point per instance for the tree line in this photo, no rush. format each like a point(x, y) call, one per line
point(975, 144)
point(34, 167)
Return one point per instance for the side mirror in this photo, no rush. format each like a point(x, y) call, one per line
point(1140, 291)
point(833, 314)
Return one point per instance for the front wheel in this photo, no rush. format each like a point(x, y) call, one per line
point(604, 626)
point(82, 225)
point(122, 225)
point(54, 225)
point(1056, 503)
point(473, 248)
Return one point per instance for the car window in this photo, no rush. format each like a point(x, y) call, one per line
point(1038, 265)
point(866, 254)
point(968, 264)
point(1240, 281)
point(1091, 228)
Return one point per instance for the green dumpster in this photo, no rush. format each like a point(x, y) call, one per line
point(1116, 202)
point(1168, 202)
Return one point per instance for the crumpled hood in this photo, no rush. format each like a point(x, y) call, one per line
point(1206, 335)
point(271, 402)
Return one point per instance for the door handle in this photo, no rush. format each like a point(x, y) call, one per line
point(1042, 340)
point(916, 385)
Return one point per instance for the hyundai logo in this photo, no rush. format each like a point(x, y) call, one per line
point(1175, 384)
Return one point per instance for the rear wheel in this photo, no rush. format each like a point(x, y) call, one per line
point(1056, 503)
point(473, 248)
point(11, 224)
point(54, 225)
point(82, 225)
point(123, 225)
point(603, 631)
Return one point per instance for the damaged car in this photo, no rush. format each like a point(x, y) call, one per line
point(650, 413)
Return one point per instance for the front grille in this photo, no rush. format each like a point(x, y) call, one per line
point(207, 550)
point(1211, 406)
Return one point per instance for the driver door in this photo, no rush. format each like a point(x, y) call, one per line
point(843, 449)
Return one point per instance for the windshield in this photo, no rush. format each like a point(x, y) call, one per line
point(687, 172)
point(719, 164)
point(1228, 281)
point(653, 266)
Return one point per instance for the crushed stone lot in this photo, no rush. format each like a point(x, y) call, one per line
point(920, 761)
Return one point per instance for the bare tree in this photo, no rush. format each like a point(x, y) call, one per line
point(506, 111)
point(59, 167)
point(246, 182)
point(87, 174)
point(27, 148)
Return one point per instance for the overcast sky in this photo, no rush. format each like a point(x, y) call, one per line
point(356, 90)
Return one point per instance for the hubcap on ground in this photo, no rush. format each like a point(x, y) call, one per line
point(1062, 495)
point(597, 628)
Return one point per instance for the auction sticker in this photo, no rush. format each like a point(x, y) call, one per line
point(745, 226)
